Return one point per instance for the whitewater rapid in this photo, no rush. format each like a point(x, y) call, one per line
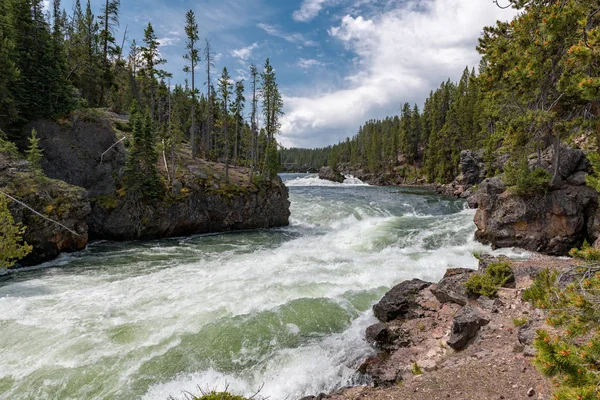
point(283, 310)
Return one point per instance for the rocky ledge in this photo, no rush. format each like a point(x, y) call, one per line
point(434, 341)
point(81, 188)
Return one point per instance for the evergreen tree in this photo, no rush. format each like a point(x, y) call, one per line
point(34, 153)
point(225, 92)
point(193, 57)
point(12, 246)
point(151, 57)
point(238, 110)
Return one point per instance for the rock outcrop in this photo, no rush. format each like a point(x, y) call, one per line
point(81, 188)
point(57, 200)
point(88, 152)
point(551, 223)
point(472, 173)
point(328, 174)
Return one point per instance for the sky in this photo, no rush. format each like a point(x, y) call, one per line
point(338, 63)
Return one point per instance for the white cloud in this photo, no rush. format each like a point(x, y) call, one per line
point(290, 37)
point(309, 10)
point(169, 41)
point(309, 63)
point(244, 53)
point(401, 55)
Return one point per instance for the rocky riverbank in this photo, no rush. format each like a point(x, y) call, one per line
point(81, 187)
point(435, 341)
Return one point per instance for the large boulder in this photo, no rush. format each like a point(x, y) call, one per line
point(472, 167)
point(60, 202)
point(401, 302)
point(465, 326)
point(327, 173)
point(451, 289)
point(571, 161)
point(551, 223)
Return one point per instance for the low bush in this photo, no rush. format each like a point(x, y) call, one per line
point(482, 285)
point(487, 284)
point(525, 182)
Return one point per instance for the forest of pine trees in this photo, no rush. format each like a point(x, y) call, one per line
point(430, 139)
point(538, 84)
point(54, 62)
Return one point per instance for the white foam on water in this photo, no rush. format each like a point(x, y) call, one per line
point(313, 180)
point(131, 307)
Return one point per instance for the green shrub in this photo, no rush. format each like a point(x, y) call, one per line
point(500, 272)
point(482, 285)
point(593, 179)
point(571, 357)
point(587, 253)
point(7, 147)
point(524, 182)
point(416, 369)
point(487, 284)
point(520, 321)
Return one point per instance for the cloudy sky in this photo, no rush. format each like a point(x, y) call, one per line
point(338, 62)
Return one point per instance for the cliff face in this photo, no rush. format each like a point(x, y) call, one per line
point(87, 152)
point(203, 203)
point(57, 200)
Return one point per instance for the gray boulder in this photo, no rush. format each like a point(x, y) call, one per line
point(401, 301)
point(451, 289)
point(327, 173)
point(465, 326)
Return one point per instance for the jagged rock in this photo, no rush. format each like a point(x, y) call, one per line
point(387, 338)
point(526, 334)
point(465, 326)
point(491, 305)
point(551, 223)
point(382, 374)
point(401, 301)
point(327, 173)
point(472, 167)
point(379, 334)
point(451, 289)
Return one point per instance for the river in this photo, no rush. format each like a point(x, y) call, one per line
point(283, 310)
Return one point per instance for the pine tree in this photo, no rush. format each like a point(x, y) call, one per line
point(10, 72)
point(34, 153)
point(238, 109)
point(152, 59)
point(110, 20)
point(272, 111)
point(193, 57)
point(225, 92)
point(12, 246)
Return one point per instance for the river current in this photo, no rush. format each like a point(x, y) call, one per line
point(283, 311)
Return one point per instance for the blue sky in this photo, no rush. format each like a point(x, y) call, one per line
point(338, 62)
